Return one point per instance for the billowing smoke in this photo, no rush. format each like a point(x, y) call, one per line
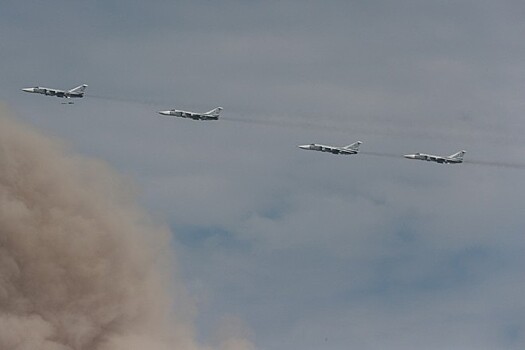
point(81, 266)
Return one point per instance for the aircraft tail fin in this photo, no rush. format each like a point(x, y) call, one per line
point(459, 155)
point(79, 89)
point(214, 112)
point(354, 146)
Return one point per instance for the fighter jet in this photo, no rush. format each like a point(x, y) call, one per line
point(211, 115)
point(455, 158)
point(75, 92)
point(350, 149)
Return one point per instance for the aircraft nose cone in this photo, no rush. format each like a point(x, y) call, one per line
point(28, 89)
point(304, 146)
point(164, 112)
point(409, 156)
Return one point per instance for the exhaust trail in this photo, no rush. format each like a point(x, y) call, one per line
point(280, 123)
point(381, 154)
point(356, 129)
point(362, 126)
point(155, 103)
point(81, 266)
point(146, 102)
point(508, 165)
point(359, 127)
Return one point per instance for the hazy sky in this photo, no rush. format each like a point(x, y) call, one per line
point(308, 250)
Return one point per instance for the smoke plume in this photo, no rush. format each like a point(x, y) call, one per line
point(81, 266)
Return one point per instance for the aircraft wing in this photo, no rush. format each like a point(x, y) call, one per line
point(53, 92)
point(329, 149)
point(437, 159)
point(347, 151)
point(334, 150)
point(340, 150)
point(190, 115)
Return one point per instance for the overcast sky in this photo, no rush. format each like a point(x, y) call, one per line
point(308, 250)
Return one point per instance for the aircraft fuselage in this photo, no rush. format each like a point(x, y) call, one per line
point(54, 92)
point(329, 149)
point(189, 115)
point(433, 158)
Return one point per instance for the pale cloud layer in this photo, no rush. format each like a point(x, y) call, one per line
point(308, 250)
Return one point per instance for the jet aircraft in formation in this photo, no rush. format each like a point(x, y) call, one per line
point(210, 115)
point(77, 92)
point(455, 158)
point(350, 149)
